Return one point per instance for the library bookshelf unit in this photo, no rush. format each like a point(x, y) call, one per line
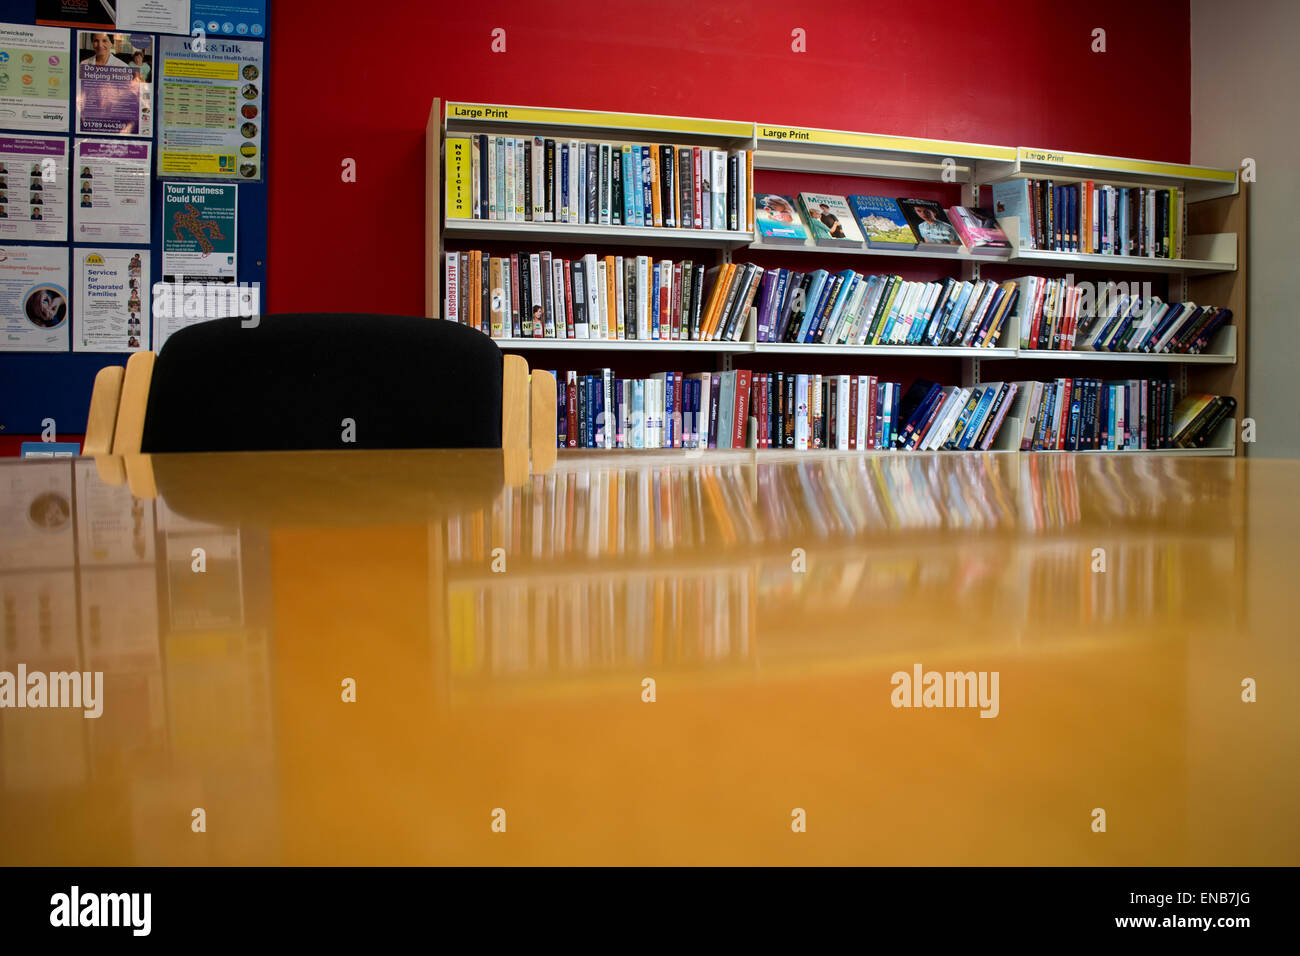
point(788, 160)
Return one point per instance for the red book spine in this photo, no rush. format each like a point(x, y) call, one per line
point(677, 300)
point(572, 412)
point(1064, 416)
point(741, 418)
point(853, 413)
point(568, 301)
point(871, 412)
point(699, 191)
point(764, 420)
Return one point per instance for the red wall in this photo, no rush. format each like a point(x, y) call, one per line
point(356, 80)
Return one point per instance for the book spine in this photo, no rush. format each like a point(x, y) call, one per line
point(733, 192)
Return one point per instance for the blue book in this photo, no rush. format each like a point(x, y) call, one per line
point(647, 195)
point(977, 418)
point(670, 434)
point(882, 222)
point(629, 204)
point(834, 289)
point(811, 300)
point(654, 301)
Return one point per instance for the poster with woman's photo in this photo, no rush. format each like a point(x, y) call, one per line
point(33, 188)
point(115, 83)
point(34, 298)
point(212, 109)
point(111, 187)
point(112, 305)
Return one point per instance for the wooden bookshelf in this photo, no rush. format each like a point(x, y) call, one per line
point(1212, 270)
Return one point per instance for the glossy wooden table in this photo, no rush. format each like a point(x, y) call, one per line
point(499, 630)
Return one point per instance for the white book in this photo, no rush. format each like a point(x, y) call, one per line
point(493, 198)
point(907, 312)
point(719, 183)
point(508, 200)
point(601, 330)
point(606, 181)
point(1170, 332)
point(507, 325)
point(539, 179)
point(948, 420)
point(571, 210)
point(537, 313)
point(802, 411)
point(851, 309)
point(742, 190)
point(579, 188)
point(643, 297)
point(451, 299)
point(521, 144)
point(475, 204)
point(620, 319)
point(860, 432)
point(581, 319)
point(594, 296)
point(842, 391)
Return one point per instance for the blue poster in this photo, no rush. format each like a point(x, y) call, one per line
point(244, 18)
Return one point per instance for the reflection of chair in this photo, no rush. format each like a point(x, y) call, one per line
point(318, 382)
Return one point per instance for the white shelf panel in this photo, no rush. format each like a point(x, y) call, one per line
point(1122, 263)
point(623, 345)
point(604, 235)
point(933, 351)
point(809, 246)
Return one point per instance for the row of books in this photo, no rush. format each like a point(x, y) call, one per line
point(744, 409)
point(532, 179)
point(585, 624)
point(1092, 218)
point(1058, 315)
point(1080, 414)
point(849, 308)
point(879, 222)
point(541, 295)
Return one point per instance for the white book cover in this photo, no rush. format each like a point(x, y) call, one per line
point(742, 191)
point(521, 144)
point(571, 214)
point(620, 328)
point(593, 294)
point(948, 418)
point(579, 188)
point(508, 200)
point(719, 189)
point(601, 328)
point(643, 298)
point(606, 182)
point(801, 411)
point(842, 395)
point(493, 199)
point(535, 314)
point(474, 186)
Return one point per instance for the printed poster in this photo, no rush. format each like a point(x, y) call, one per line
point(36, 528)
point(229, 17)
point(112, 191)
point(112, 300)
point(114, 83)
point(101, 14)
point(113, 526)
point(154, 16)
point(212, 109)
point(198, 230)
point(35, 76)
point(34, 298)
point(33, 188)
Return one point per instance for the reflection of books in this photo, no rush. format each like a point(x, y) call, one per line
point(830, 220)
point(777, 219)
point(883, 222)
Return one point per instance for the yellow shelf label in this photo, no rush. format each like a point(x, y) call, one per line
point(832, 137)
point(638, 121)
point(1118, 164)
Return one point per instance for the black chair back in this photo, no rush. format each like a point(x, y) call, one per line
point(317, 382)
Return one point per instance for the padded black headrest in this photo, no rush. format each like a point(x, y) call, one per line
point(290, 382)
